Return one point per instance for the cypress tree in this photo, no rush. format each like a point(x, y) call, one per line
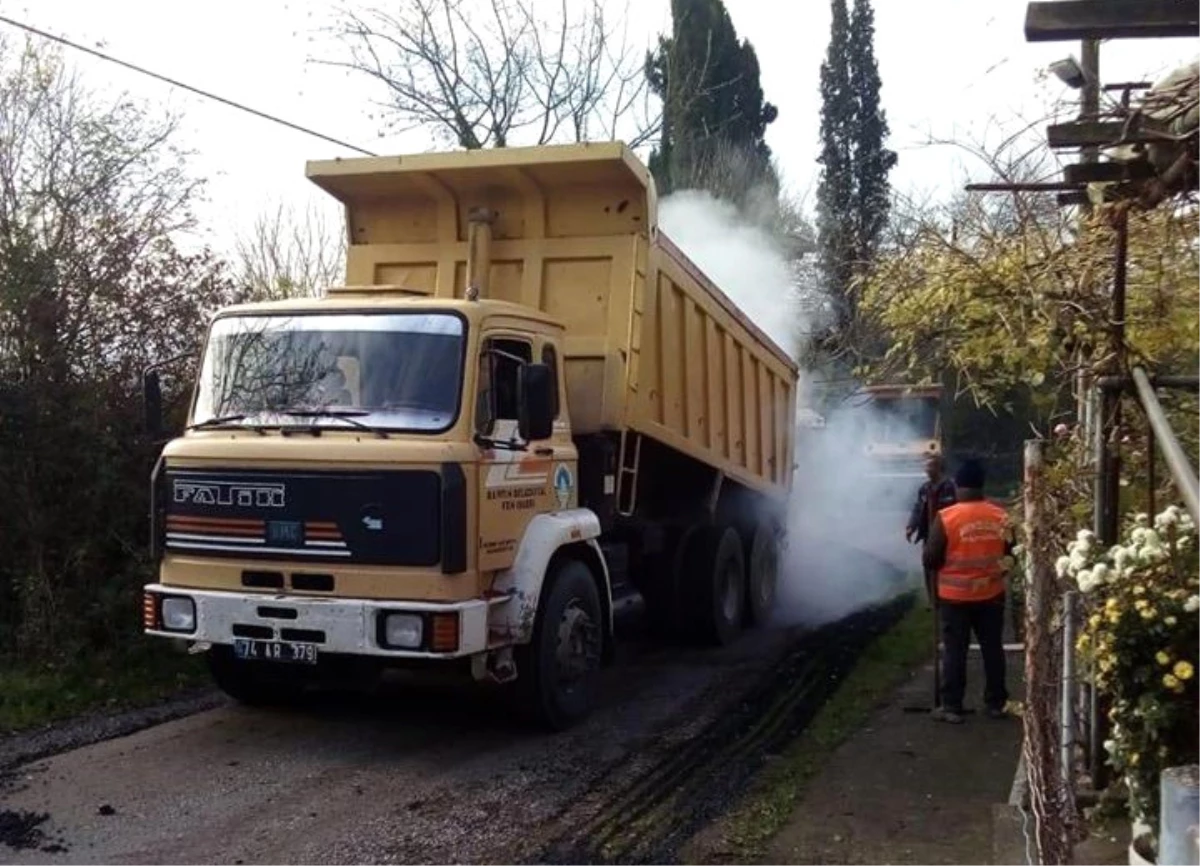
point(853, 193)
point(715, 114)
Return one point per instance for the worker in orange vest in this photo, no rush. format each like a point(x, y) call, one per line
point(967, 547)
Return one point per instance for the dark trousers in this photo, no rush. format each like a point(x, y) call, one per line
point(959, 619)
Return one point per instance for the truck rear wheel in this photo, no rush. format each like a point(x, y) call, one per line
point(713, 564)
point(762, 574)
point(255, 684)
point(558, 671)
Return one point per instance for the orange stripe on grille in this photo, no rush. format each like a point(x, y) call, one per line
point(232, 522)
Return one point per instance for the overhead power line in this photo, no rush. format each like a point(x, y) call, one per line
point(181, 85)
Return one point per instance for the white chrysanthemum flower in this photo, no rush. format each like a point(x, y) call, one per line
point(1122, 557)
point(1100, 573)
point(1138, 536)
point(1192, 604)
point(1061, 565)
point(1085, 535)
point(1142, 519)
point(1170, 517)
point(1077, 562)
point(1151, 554)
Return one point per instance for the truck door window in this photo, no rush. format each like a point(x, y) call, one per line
point(496, 399)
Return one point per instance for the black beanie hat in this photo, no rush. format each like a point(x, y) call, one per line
point(970, 475)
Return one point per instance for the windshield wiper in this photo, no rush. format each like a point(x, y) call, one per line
point(347, 415)
point(217, 422)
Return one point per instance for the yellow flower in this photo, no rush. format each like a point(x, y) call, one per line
point(1106, 665)
point(1083, 643)
point(1113, 617)
point(1183, 670)
point(1141, 604)
point(1094, 621)
point(1149, 613)
point(1162, 658)
point(1170, 620)
point(1138, 589)
point(1134, 757)
point(1111, 604)
point(1170, 681)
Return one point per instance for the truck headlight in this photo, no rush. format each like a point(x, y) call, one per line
point(178, 614)
point(402, 630)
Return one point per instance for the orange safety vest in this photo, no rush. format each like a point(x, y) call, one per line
point(974, 549)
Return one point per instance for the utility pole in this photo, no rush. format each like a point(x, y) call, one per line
point(1089, 110)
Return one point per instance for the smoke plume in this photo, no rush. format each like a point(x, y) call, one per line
point(846, 547)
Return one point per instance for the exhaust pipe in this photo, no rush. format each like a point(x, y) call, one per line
point(479, 251)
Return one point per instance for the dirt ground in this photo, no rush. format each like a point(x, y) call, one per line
point(907, 789)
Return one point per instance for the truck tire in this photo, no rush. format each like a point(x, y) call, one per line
point(714, 576)
point(762, 574)
point(255, 684)
point(558, 671)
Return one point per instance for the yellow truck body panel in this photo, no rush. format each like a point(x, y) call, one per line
point(652, 346)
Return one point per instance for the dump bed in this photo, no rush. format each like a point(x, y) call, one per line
point(652, 346)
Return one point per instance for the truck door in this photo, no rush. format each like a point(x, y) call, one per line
point(515, 484)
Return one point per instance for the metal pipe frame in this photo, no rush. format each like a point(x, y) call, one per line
point(1177, 462)
point(1177, 383)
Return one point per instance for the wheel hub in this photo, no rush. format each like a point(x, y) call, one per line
point(729, 597)
point(577, 649)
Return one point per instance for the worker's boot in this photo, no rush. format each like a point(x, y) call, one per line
point(952, 717)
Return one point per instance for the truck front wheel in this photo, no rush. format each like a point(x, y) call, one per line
point(714, 575)
point(256, 684)
point(558, 672)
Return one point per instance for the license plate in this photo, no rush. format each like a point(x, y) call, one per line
point(275, 651)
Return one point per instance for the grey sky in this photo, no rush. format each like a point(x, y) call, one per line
point(950, 68)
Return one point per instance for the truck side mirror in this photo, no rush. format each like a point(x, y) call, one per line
point(152, 403)
point(535, 402)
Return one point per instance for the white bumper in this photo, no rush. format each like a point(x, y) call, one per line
point(347, 626)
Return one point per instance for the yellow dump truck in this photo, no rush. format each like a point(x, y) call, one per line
point(902, 430)
point(524, 404)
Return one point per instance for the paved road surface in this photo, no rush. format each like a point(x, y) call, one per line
point(426, 772)
point(420, 773)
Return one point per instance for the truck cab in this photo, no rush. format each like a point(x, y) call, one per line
point(902, 430)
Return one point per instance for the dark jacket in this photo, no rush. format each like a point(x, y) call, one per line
point(943, 493)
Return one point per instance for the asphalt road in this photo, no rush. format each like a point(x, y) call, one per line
point(420, 772)
point(435, 773)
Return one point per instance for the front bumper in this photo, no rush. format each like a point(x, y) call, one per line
point(335, 625)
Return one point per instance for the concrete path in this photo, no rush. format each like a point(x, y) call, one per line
point(907, 789)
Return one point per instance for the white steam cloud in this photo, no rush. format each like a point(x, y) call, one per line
point(846, 547)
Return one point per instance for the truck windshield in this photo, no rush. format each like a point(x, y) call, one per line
point(397, 371)
point(897, 421)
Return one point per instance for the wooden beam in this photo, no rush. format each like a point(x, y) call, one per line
point(1072, 199)
point(1047, 186)
point(1085, 133)
point(1062, 20)
point(1107, 172)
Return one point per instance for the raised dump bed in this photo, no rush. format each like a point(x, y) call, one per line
point(652, 346)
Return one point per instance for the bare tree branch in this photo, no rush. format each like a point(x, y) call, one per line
point(491, 72)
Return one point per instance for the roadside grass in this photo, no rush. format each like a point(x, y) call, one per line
point(140, 674)
point(881, 667)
